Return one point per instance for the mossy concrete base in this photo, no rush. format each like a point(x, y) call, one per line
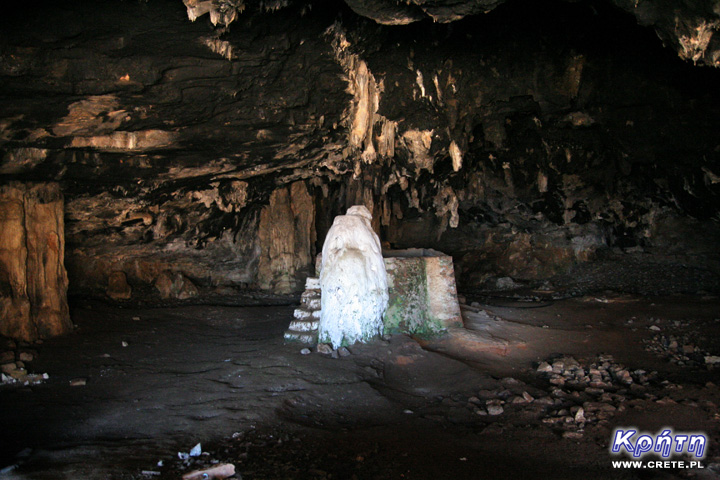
point(422, 292)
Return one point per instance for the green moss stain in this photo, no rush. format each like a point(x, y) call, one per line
point(408, 305)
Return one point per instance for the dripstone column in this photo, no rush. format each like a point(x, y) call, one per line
point(33, 280)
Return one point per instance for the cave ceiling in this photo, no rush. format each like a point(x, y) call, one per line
point(163, 119)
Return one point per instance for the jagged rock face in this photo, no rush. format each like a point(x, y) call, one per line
point(521, 141)
point(33, 280)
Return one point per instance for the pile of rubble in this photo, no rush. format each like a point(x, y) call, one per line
point(681, 349)
point(577, 394)
point(13, 360)
point(591, 394)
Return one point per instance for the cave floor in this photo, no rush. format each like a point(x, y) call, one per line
point(159, 381)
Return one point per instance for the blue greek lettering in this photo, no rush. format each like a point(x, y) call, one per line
point(680, 442)
point(663, 443)
point(644, 444)
point(622, 439)
point(697, 445)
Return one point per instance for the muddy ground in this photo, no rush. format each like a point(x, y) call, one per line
point(131, 388)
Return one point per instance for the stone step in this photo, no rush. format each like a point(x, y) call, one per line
point(308, 338)
point(304, 325)
point(305, 314)
point(312, 304)
point(312, 283)
point(309, 295)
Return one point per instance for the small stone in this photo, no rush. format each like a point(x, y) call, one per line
point(510, 381)
point(305, 351)
point(528, 398)
point(7, 357)
point(504, 394)
point(474, 400)
point(124, 343)
point(487, 394)
point(688, 349)
point(118, 287)
point(324, 349)
point(544, 367)
point(19, 364)
point(137, 319)
point(654, 328)
point(557, 380)
point(343, 352)
point(573, 435)
point(26, 357)
point(712, 359)
point(8, 367)
point(580, 416)
point(19, 374)
point(495, 410)
point(78, 382)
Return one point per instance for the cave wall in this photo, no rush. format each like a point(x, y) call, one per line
point(522, 142)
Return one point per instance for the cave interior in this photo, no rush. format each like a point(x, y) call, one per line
point(169, 170)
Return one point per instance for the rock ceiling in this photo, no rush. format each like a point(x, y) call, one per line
point(169, 136)
point(686, 26)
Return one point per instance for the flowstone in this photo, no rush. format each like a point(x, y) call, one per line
point(353, 281)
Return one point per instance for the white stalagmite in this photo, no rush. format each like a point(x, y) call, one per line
point(353, 281)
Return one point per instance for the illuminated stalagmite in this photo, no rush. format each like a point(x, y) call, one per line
point(353, 281)
point(33, 281)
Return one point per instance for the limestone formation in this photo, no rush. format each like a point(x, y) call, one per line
point(118, 287)
point(286, 237)
point(175, 285)
point(33, 280)
point(353, 281)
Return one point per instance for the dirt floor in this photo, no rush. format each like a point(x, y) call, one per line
point(131, 391)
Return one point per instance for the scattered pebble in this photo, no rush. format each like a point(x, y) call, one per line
point(26, 357)
point(495, 410)
point(305, 351)
point(324, 349)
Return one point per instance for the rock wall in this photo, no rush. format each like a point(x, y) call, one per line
point(286, 239)
point(33, 280)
